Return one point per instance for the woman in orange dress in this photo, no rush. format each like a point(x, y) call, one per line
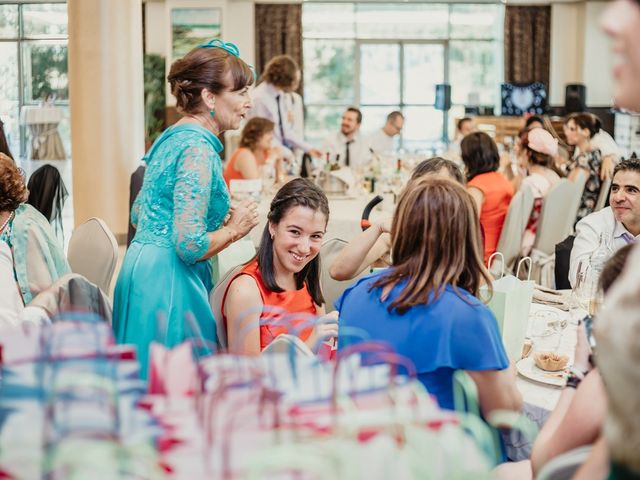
point(284, 277)
point(488, 187)
point(254, 151)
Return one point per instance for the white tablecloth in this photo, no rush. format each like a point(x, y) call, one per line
point(542, 395)
point(344, 216)
point(46, 143)
point(31, 114)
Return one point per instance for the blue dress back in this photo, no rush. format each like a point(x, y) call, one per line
point(456, 331)
point(183, 197)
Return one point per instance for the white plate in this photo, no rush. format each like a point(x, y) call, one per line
point(527, 369)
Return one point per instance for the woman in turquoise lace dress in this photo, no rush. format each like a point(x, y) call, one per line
point(181, 209)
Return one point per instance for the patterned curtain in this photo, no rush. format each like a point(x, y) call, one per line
point(527, 41)
point(278, 31)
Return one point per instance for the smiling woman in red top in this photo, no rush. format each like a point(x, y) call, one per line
point(488, 187)
point(284, 277)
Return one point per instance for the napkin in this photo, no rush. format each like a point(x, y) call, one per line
point(547, 296)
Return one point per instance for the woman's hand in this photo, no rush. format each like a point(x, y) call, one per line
point(243, 217)
point(384, 226)
point(583, 350)
point(326, 328)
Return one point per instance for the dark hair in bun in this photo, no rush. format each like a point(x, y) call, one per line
point(206, 68)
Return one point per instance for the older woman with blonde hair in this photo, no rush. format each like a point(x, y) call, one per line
point(425, 303)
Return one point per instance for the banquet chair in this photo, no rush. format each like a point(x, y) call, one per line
point(237, 253)
point(332, 289)
point(513, 228)
point(93, 253)
point(73, 293)
point(135, 185)
point(552, 227)
point(573, 204)
point(604, 194)
point(564, 466)
point(215, 300)
point(285, 343)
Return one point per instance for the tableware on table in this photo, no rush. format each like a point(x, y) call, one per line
point(527, 368)
point(558, 326)
point(579, 300)
point(550, 361)
point(241, 189)
point(540, 325)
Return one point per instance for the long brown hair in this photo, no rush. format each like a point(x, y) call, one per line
point(298, 192)
point(435, 242)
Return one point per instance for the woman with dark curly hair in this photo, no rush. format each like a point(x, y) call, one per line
point(38, 258)
point(254, 152)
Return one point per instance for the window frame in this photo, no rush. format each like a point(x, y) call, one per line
point(402, 42)
point(20, 40)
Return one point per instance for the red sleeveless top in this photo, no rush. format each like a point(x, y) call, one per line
point(278, 304)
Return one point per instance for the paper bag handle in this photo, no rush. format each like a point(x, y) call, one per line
point(522, 260)
point(496, 254)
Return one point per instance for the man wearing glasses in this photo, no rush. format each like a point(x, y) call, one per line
point(382, 141)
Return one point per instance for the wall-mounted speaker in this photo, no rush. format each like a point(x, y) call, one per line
point(443, 96)
point(575, 98)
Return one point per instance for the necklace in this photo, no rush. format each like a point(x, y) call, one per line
point(6, 222)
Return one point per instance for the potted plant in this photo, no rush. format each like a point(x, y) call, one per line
point(154, 97)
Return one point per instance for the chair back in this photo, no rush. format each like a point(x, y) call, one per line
point(555, 220)
point(515, 222)
point(563, 467)
point(285, 343)
point(332, 289)
point(93, 253)
point(215, 301)
point(238, 253)
point(573, 205)
point(135, 185)
point(604, 194)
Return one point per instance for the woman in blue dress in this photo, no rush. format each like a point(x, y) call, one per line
point(182, 211)
point(425, 304)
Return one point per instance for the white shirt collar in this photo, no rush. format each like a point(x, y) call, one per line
point(620, 230)
point(343, 138)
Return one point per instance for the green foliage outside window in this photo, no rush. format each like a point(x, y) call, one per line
point(154, 96)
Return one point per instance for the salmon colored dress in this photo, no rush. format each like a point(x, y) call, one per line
point(277, 306)
point(498, 192)
point(230, 172)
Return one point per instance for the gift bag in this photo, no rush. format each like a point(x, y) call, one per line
point(510, 303)
point(172, 371)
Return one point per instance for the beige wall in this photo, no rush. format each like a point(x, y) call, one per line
point(580, 52)
point(237, 27)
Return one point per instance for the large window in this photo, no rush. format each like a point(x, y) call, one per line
point(33, 64)
point(386, 57)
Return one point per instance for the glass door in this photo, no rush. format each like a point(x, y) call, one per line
point(402, 76)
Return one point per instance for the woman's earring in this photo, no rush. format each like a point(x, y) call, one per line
point(212, 112)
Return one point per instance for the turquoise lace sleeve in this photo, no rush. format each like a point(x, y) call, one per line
point(191, 202)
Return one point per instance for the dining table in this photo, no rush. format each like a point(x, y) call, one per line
point(539, 387)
